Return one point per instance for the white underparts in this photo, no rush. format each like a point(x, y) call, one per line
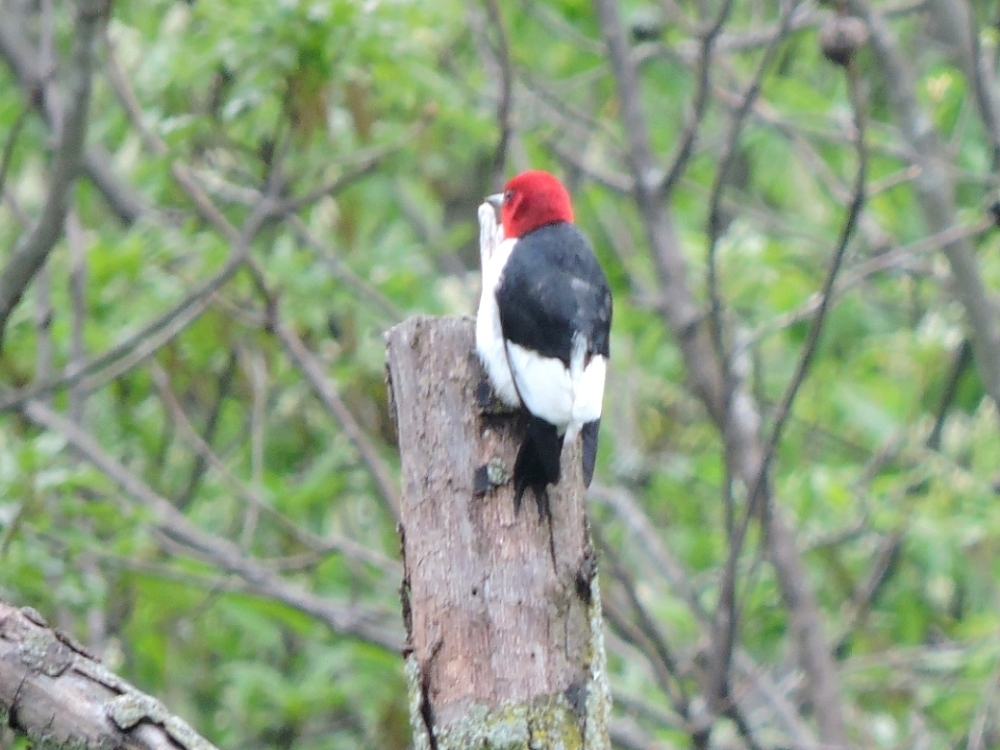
point(494, 251)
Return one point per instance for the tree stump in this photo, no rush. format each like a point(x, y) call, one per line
point(502, 609)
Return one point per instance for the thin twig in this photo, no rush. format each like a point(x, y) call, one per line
point(985, 709)
point(506, 82)
point(47, 67)
point(125, 202)
point(685, 319)
point(256, 369)
point(657, 650)
point(724, 627)
point(935, 192)
point(78, 304)
point(319, 547)
point(34, 247)
point(365, 166)
point(8, 146)
point(962, 361)
point(651, 646)
point(883, 564)
point(325, 389)
point(704, 78)
point(181, 173)
point(757, 491)
point(201, 460)
point(626, 508)
point(43, 324)
point(819, 320)
point(714, 220)
point(140, 345)
point(903, 257)
point(364, 289)
point(957, 23)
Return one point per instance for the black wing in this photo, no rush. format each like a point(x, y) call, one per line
point(551, 288)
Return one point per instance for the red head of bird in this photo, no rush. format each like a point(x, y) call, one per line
point(531, 200)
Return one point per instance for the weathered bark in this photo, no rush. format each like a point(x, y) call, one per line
point(59, 696)
point(502, 609)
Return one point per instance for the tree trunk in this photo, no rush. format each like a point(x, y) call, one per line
point(502, 609)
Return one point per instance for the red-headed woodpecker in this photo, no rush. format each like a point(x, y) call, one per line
point(543, 323)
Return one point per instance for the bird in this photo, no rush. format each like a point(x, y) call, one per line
point(543, 327)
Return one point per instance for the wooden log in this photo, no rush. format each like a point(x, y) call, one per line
point(59, 696)
point(502, 610)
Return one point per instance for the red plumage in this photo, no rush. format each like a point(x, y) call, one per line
point(531, 200)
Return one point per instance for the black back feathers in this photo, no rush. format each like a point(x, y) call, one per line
point(553, 288)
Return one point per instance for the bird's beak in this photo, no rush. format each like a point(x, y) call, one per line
point(495, 200)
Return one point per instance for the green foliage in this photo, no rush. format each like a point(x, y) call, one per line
point(293, 95)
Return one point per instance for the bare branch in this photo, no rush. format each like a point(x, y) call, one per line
point(904, 258)
point(963, 358)
point(641, 630)
point(643, 529)
point(956, 22)
point(201, 461)
point(985, 712)
point(8, 146)
point(725, 620)
point(364, 167)
point(57, 694)
point(278, 210)
point(742, 427)
point(757, 494)
point(680, 308)
point(182, 175)
point(264, 209)
point(714, 221)
point(816, 328)
point(936, 194)
point(326, 391)
point(135, 348)
point(35, 245)
point(348, 619)
point(883, 563)
point(704, 85)
point(363, 288)
point(506, 83)
point(124, 201)
point(78, 301)
point(319, 547)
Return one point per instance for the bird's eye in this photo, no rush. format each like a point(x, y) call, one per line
point(508, 195)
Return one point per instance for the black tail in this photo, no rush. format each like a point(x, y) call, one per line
point(589, 433)
point(537, 464)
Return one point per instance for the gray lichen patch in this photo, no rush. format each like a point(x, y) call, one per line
point(42, 652)
point(129, 709)
point(596, 730)
point(421, 732)
point(547, 723)
point(126, 711)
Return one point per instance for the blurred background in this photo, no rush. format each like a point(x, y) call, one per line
point(796, 493)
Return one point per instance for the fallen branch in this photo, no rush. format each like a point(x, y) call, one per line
point(58, 695)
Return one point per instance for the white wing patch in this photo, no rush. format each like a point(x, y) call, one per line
point(565, 397)
point(544, 384)
point(588, 392)
point(494, 251)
